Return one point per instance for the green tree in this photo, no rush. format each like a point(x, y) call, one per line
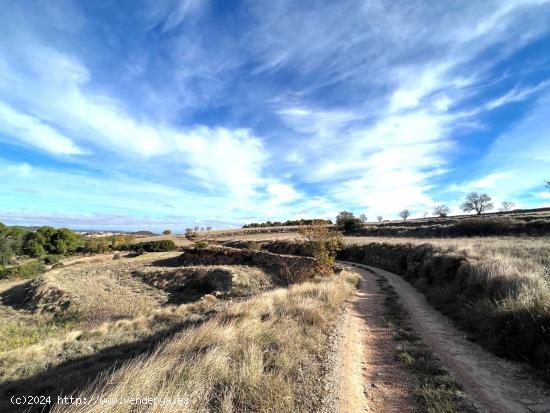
point(347, 222)
point(33, 244)
point(6, 251)
point(62, 241)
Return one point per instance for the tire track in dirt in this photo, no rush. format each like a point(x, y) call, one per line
point(370, 377)
point(499, 385)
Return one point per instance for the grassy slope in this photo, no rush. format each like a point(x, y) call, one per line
point(263, 354)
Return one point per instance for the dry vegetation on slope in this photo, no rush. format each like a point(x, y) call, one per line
point(260, 355)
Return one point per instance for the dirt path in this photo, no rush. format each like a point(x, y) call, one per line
point(370, 377)
point(498, 385)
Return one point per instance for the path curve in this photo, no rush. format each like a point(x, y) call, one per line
point(499, 385)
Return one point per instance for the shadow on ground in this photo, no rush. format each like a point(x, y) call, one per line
point(73, 376)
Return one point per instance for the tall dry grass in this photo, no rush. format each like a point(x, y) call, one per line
point(497, 288)
point(260, 355)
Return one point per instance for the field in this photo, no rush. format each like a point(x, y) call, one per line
point(242, 321)
point(66, 328)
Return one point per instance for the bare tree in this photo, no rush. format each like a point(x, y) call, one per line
point(477, 202)
point(507, 206)
point(405, 214)
point(363, 218)
point(380, 218)
point(441, 211)
point(425, 214)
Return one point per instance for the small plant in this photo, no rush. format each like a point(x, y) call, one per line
point(201, 244)
point(51, 259)
point(116, 256)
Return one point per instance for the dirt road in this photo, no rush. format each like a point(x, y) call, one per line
point(370, 377)
point(498, 385)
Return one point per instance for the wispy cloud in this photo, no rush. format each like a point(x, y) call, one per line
point(271, 109)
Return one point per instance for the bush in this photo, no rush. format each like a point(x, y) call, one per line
point(50, 240)
point(201, 244)
point(6, 252)
point(28, 269)
point(152, 246)
point(52, 259)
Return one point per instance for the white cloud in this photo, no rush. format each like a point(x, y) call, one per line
point(30, 131)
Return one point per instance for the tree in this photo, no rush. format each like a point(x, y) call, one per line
point(63, 241)
point(190, 234)
point(167, 232)
point(380, 218)
point(405, 214)
point(441, 211)
point(208, 228)
point(33, 244)
point(347, 222)
point(548, 185)
point(425, 214)
point(322, 243)
point(507, 206)
point(477, 202)
point(6, 252)
point(363, 218)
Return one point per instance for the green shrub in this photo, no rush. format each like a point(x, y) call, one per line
point(152, 246)
point(52, 259)
point(6, 251)
point(28, 269)
point(201, 244)
point(50, 240)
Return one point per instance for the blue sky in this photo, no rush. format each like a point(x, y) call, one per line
point(154, 114)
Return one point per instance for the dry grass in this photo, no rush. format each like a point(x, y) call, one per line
point(263, 354)
point(497, 288)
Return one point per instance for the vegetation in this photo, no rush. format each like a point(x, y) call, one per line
point(28, 269)
point(190, 233)
point(151, 246)
point(48, 240)
point(379, 218)
point(441, 211)
point(497, 289)
point(507, 206)
point(477, 202)
point(286, 223)
point(348, 223)
point(167, 232)
point(323, 244)
point(405, 214)
point(240, 360)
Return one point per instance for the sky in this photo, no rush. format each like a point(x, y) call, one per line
point(145, 115)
